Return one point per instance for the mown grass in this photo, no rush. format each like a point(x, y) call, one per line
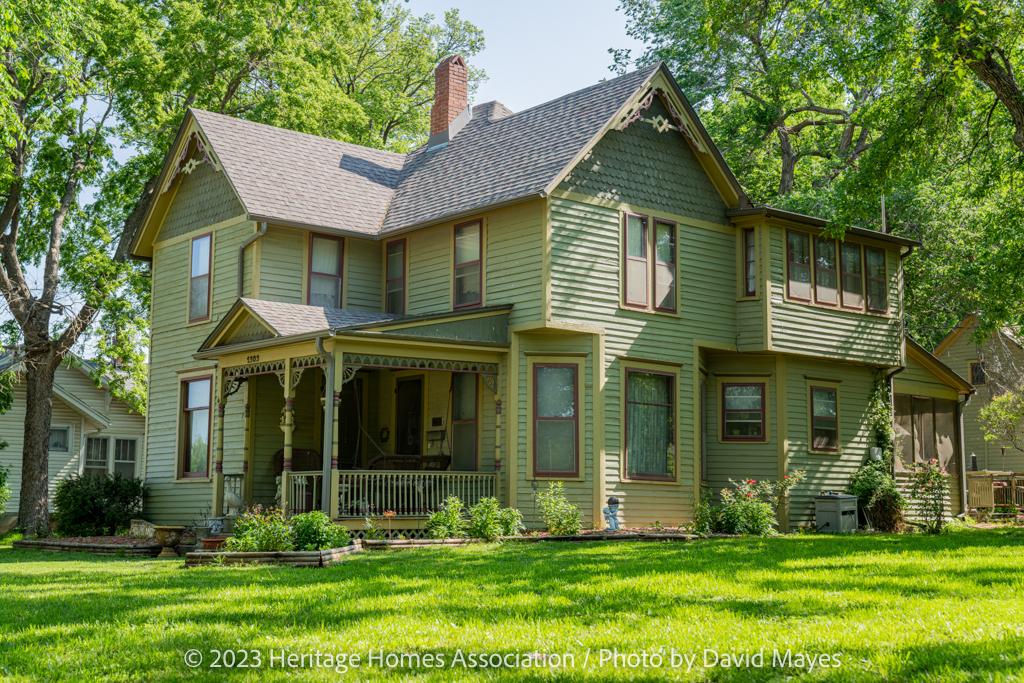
point(917, 608)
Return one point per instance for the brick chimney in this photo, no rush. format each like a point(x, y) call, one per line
point(450, 96)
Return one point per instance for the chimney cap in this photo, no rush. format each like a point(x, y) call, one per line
point(453, 59)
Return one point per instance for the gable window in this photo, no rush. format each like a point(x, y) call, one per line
point(665, 266)
point(468, 265)
point(875, 276)
point(824, 419)
point(635, 252)
point(853, 281)
point(464, 400)
point(96, 455)
point(555, 420)
point(978, 376)
point(799, 259)
point(650, 425)
point(124, 457)
point(750, 256)
point(325, 268)
point(826, 282)
point(394, 285)
point(60, 439)
point(195, 413)
point(743, 412)
point(199, 281)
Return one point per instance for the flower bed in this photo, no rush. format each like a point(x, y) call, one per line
point(298, 558)
point(598, 535)
point(130, 546)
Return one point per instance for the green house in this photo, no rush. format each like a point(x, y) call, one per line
point(578, 292)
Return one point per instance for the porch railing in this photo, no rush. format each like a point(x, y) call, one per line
point(409, 494)
point(304, 491)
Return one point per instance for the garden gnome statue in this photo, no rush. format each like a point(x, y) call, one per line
point(610, 512)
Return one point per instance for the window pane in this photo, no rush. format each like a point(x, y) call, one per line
point(743, 397)
point(125, 469)
point(326, 256)
point(467, 243)
point(636, 281)
point(875, 263)
point(827, 287)
point(199, 431)
point(650, 440)
point(876, 295)
point(799, 249)
point(743, 424)
point(556, 392)
point(396, 260)
point(799, 265)
point(59, 439)
point(198, 394)
point(124, 450)
point(665, 294)
point(464, 447)
point(649, 387)
point(824, 402)
point(464, 396)
point(825, 254)
point(198, 298)
point(201, 256)
point(851, 259)
point(826, 436)
point(96, 453)
point(800, 281)
point(556, 445)
point(636, 244)
point(666, 243)
point(396, 297)
point(467, 284)
point(324, 291)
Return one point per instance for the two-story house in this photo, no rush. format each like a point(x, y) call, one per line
point(577, 292)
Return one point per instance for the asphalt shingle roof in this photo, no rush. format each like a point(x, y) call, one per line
point(290, 319)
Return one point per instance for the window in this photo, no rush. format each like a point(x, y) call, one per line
point(824, 419)
point(978, 376)
point(799, 257)
point(464, 399)
point(743, 412)
point(468, 262)
point(394, 285)
point(199, 283)
point(853, 284)
point(665, 266)
point(703, 432)
point(750, 255)
point(124, 457)
point(555, 426)
point(826, 282)
point(635, 251)
point(60, 439)
point(650, 425)
point(325, 259)
point(195, 452)
point(96, 455)
point(875, 276)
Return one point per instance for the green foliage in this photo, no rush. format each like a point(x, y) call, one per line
point(95, 505)
point(5, 487)
point(561, 517)
point(374, 530)
point(449, 521)
point(315, 531)
point(869, 477)
point(484, 519)
point(958, 525)
point(1002, 418)
point(928, 487)
point(748, 508)
point(261, 530)
point(511, 522)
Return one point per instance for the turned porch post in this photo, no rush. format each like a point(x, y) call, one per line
point(339, 375)
point(288, 428)
point(218, 469)
point(247, 450)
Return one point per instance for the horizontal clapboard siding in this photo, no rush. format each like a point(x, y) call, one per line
point(363, 290)
point(281, 265)
point(514, 260)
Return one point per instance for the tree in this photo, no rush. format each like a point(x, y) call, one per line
point(1003, 419)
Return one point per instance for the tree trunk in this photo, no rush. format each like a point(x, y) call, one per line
point(789, 159)
point(34, 505)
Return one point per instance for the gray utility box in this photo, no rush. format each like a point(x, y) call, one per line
point(835, 513)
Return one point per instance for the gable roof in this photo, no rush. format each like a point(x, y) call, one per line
point(499, 158)
point(943, 372)
point(970, 322)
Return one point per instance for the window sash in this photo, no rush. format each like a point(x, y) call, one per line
point(466, 271)
point(190, 412)
point(96, 456)
point(199, 279)
point(464, 421)
point(852, 281)
point(798, 281)
point(61, 444)
point(328, 284)
point(634, 413)
point(978, 376)
point(665, 271)
point(634, 266)
point(875, 282)
point(737, 413)
point(394, 278)
point(824, 427)
point(750, 260)
point(549, 423)
point(822, 272)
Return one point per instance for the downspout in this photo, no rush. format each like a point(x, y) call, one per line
point(328, 446)
point(961, 406)
point(892, 398)
point(241, 254)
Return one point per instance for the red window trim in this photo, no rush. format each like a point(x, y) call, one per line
point(209, 280)
point(341, 268)
point(673, 410)
point(575, 419)
point(790, 264)
point(763, 437)
point(748, 290)
point(654, 254)
point(842, 277)
point(867, 278)
point(835, 419)
point(209, 428)
point(479, 264)
point(405, 245)
point(626, 258)
point(971, 373)
point(474, 421)
point(835, 271)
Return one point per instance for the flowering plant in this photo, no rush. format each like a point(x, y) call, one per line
point(750, 506)
point(929, 485)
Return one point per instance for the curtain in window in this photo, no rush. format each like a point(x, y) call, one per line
point(649, 442)
point(555, 419)
point(59, 439)
point(124, 457)
point(96, 456)
point(325, 273)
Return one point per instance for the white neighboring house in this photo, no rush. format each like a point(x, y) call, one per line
point(90, 432)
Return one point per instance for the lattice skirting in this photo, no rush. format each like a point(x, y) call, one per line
point(395, 533)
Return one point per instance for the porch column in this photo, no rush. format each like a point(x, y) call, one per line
point(288, 426)
point(334, 451)
point(218, 470)
point(247, 452)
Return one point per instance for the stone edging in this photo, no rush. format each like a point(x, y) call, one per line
point(141, 550)
point(603, 537)
point(406, 543)
point(299, 558)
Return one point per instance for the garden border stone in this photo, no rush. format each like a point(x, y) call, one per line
point(298, 558)
point(405, 543)
point(604, 537)
point(139, 550)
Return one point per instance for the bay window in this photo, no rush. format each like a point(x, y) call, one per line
point(555, 419)
point(798, 252)
point(468, 265)
point(853, 281)
point(826, 282)
point(325, 271)
point(750, 259)
point(650, 425)
point(876, 282)
point(199, 279)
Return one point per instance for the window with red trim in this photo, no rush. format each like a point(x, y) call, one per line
point(634, 251)
point(650, 425)
point(325, 269)
point(468, 265)
point(798, 256)
point(826, 278)
point(743, 412)
point(874, 260)
point(824, 419)
point(750, 256)
point(555, 420)
point(394, 284)
point(853, 276)
point(665, 266)
point(195, 411)
point(199, 280)
point(464, 416)
point(978, 376)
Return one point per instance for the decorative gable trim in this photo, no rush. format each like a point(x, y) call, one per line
point(186, 164)
point(240, 319)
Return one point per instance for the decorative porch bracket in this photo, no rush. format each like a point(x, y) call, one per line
point(352, 362)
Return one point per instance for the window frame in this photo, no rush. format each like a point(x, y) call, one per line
point(405, 273)
point(842, 278)
point(71, 434)
point(867, 278)
point(741, 382)
point(790, 264)
point(99, 436)
point(673, 376)
point(114, 438)
point(749, 282)
point(834, 271)
point(655, 263)
point(184, 427)
point(984, 373)
point(823, 386)
point(578, 369)
point(208, 276)
point(475, 421)
point(479, 222)
point(341, 267)
point(635, 305)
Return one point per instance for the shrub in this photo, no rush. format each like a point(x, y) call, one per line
point(885, 509)
point(5, 487)
point(259, 530)
point(929, 485)
point(511, 522)
point(95, 505)
point(315, 531)
point(707, 518)
point(448, 522)
point(750, 506)
point(483, 519)
point(374, 530)
point(561, 516)
point(869, 477)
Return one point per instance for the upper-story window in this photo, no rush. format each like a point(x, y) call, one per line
point(799, 256)
point(978, 377)
point(325, 269)
point(468, 265)
point(839, 274)
point(826, 277)
point(853, 275)
point(635, 250)
point(750, 260)
point(874, 260)
point(394, 279)
point(665, 266)
point(199, 279)
point(650, 283)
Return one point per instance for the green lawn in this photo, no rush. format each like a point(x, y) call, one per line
point(889, 607)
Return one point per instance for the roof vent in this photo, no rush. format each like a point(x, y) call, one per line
point(450, 111)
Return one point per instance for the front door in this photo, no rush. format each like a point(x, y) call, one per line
point(409, 416)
